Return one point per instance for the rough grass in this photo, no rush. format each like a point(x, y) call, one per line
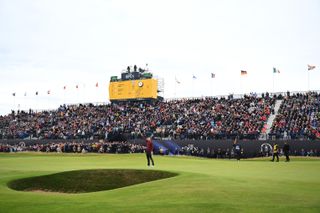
point(88, 180)
point(203, 185)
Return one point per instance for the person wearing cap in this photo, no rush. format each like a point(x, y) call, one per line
point(149, 150)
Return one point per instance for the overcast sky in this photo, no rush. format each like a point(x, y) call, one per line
point(48, 44)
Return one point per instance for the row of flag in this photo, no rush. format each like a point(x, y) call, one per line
point(213, 75)
point(49, 91)
point(244, 72)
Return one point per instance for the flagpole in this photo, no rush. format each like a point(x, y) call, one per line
point(175, 90)
point(24, 105)
point(48, 100)
point(273, 83)
point(213, 86)
point(308, 80)
point(25, 102)
point(175, 85)
point(242, 73)
point(214, 90)
point(241, 92)
point(37, 104)
point(76, 96)
point(64, 95)
point(193, 85)
point(14, 103)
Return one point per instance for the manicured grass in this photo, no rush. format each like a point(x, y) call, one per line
point(82, 181)
point(203, 185)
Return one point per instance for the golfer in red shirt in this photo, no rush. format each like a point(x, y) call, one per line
point(149, 150)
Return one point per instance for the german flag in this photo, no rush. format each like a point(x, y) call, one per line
point(243, 72)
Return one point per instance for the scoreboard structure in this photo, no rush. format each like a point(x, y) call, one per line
point(133, 86)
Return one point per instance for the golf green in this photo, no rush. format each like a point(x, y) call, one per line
point(203, 185)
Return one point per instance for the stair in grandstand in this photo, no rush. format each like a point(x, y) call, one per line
point(270, 120)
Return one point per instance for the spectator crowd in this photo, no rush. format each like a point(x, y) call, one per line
point(298, 117)
point(203, 118)
point(74, 147)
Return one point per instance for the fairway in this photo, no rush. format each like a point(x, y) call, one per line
point(203, 185)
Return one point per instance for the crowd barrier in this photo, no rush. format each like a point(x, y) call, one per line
point(251, 148)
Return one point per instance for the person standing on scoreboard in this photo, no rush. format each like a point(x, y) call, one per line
point(149, 150)
point(237, 148)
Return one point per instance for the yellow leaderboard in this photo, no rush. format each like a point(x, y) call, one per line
point(133, 89)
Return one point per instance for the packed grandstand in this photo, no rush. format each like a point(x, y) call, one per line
point(210, 118)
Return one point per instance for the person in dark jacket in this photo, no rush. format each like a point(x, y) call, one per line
point(149, 150)
point(286, 151)
point(237, 149)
